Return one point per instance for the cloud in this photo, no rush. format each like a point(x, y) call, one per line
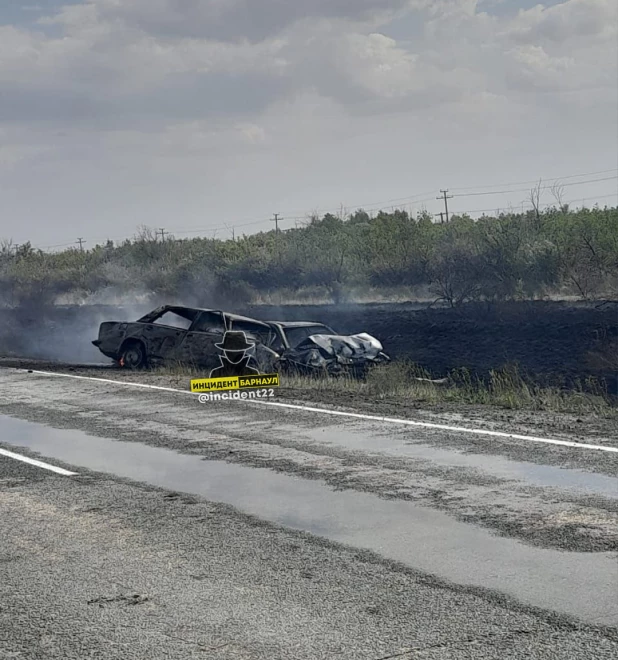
point(164, 86)
point(110, 68)
point(99, 71)
point(253, 20)
point(532, 67)
point(112, 62)
point(571, 20)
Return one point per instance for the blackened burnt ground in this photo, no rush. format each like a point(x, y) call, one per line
point(550, 341)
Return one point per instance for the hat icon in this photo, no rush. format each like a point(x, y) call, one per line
point(235, 342)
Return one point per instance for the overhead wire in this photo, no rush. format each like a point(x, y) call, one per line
point(497, 210)
point(565, 185)
point(411, 200)
point(522, 183)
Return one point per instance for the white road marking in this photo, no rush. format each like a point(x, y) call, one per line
point(340, 413)
point(40, 464)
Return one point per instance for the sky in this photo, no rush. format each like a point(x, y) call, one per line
point(208, 116)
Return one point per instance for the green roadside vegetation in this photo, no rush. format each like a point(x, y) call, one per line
point(511, 256)
point(507, 257)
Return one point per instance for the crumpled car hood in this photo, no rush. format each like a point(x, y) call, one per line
point(352, 347)
point(335, 353)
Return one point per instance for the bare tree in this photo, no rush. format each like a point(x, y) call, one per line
point(343, 212)
point(231, 230)
point(535, 200)
point(6, 246)
point(557, 191)
point(146, 234)
point(310, 218)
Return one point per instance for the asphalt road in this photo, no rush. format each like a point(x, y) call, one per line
point(247, 530)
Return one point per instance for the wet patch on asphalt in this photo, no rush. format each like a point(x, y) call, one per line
point(402, 531)
point(523, 512)
point(547, 506)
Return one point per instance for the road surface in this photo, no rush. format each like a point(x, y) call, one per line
point(136, 522)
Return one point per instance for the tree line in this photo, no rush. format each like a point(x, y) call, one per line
point(503, 257)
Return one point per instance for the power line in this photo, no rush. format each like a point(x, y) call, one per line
point(565, 185)
point(427, 198)
point(49, 247)
point(557, 178)
point(446, 198)
point(584, 199)
point(277, 246)
point(497, 210)
point(386, 202)
point(413, 198)
point(203, 230)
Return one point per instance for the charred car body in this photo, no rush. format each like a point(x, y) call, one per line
point(181, 334)
point(313, 348)
point(189, 335)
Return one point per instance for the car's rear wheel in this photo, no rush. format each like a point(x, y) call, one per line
point(133, 356)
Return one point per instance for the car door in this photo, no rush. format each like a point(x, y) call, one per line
point(262, 357)
point(198, 347)
point(164, 336)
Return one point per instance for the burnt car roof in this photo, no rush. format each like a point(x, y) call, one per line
point(298, 324)
point(238, 317)
point(196, 310)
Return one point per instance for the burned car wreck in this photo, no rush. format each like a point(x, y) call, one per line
point(189, 335)
point(316, 348)
point(185, 335)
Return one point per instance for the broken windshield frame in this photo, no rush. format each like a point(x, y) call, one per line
point(291, 337)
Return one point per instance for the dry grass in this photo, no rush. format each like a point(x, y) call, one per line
point(504, 388)
point(407, 382)
point(353, 295)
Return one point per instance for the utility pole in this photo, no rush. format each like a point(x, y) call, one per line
point(441, 217)
point(276, 221)
point(81, 242)
point(445, 198)
point(162, 232)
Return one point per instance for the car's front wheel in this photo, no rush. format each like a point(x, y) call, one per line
point(133, 356)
